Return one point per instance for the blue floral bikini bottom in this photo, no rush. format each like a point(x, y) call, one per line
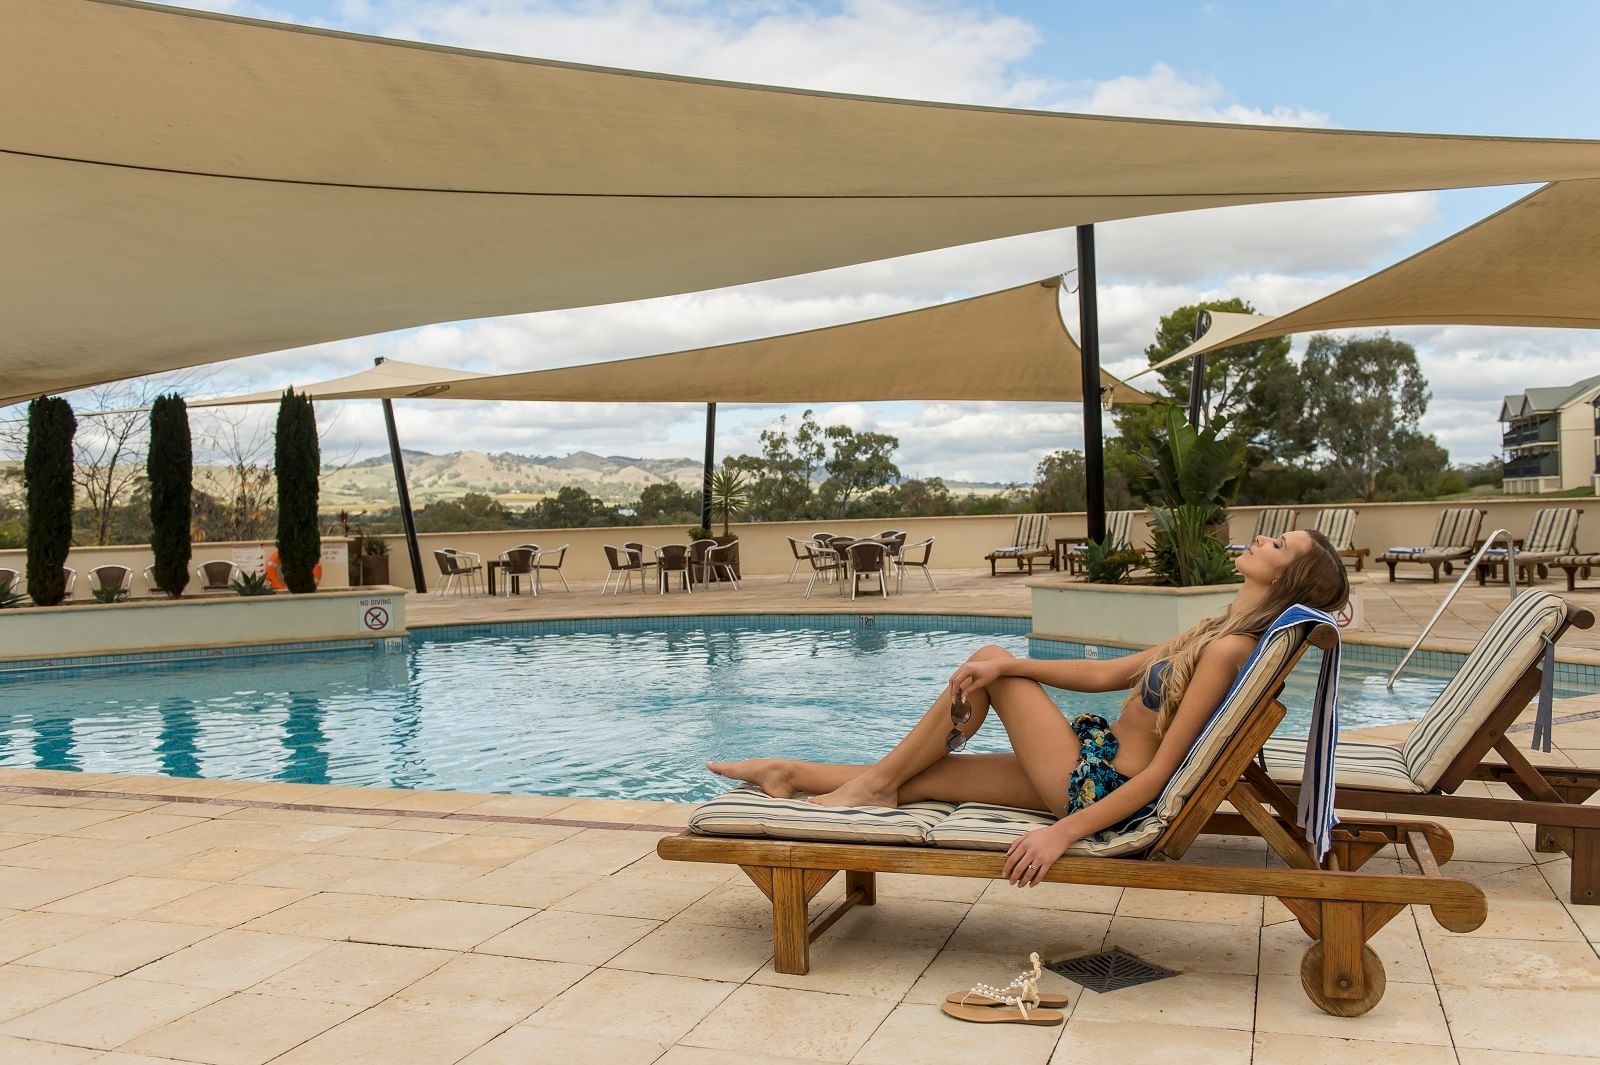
point(1094, 778)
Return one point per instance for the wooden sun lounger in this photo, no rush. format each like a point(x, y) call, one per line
point(1337, 906)
point(1550, 797)
point(1027, 545)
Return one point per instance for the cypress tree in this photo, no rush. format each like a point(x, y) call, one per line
point(297, 460)
point(47, 476)
point(170, 469)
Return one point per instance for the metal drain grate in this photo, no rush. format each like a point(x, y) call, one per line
point(1110, 970)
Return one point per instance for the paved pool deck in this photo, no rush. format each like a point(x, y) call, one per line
point(1390, 613)
point(148, 920)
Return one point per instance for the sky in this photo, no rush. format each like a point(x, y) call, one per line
point(1458, 67)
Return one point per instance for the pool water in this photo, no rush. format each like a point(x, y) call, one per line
point(589, 708)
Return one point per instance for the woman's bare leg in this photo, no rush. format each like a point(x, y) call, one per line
point(855, 785)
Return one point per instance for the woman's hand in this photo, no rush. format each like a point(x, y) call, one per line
point(1032, 855)
point(978, 673)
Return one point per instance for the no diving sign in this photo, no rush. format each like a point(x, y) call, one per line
point(377, 615)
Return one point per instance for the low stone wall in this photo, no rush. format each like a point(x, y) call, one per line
point(959, 542)
point(65, 632)
point(138, 557)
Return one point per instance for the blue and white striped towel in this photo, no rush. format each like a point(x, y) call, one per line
point(1315, 814)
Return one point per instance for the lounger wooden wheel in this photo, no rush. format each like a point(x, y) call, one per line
point(1344, 990)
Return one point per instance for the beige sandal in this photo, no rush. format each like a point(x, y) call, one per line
point(1019, 1002)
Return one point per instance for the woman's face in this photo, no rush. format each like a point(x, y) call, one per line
point(1266, 559)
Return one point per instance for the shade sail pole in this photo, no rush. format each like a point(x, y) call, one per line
point(710, 465)
point(1197, 374)
point(1094, 471)
point(407, 519)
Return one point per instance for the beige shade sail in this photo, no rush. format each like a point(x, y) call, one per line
point(388, 378)
point(1534, 263)
point(180, 187)
point(1009, 346)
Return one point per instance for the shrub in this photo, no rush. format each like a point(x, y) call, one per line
point(170, 469)
point(47, 474)
point(297, 462)
point(109, 594)
point(1104, 564)
point(248, 583)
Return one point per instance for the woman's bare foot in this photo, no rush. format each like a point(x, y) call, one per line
point(771, 775)
point(859, 792)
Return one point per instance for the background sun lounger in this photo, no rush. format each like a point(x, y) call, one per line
point(1468, 720)
point(1553, 533)
point(1274, 521)
point(1027, 543)
point(1455, 538)
point(1338, 524)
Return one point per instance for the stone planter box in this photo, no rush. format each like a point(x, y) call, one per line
point(1133, 614)
point(86, 629)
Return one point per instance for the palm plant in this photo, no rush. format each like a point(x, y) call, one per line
point(249, 582)
point(730, 495)
point(1188, 483)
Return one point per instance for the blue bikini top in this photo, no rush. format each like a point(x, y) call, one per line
point(1154, 683)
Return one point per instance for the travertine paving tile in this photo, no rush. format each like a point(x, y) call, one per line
point(491, 852)
point(497, 988)
point(22, 934)
point(136, 826)
point(1134, 1042)
point(1186, 945)
point(1190, 906)
point(128, 897)
point(798, 1024)
point(15, 1051)
point(598, 851)
point(1550, 1020)
point(242, 1030)
point(1198, 999)
point(528, 1043)
point(582, 938)
point(225, 905)
point(656, 900)
point(1276, 1048)
point(920, 922)
point(1474, 962)
point(109, 1014)
point(1469, 1056)
point(520, 887)
point(59, 821)
point(688, 1055)
point(232, 960)
point(519, 805)
point(317, 872)
point(660, 1009)
point(118, 948)
point(1409, 1013)
point(27, 888)
point(24, 988)
point(387, 842)
point(385, 1035)
point(679, 948)
point(651, 867)
point(360, 974)
point(218, 864)
point(871, 967)
point(918, 886)
point(328, 915)
point(407, 879)
point(1398, 945)
point(447, 925)
point(1053, 933)
point(916, 1032)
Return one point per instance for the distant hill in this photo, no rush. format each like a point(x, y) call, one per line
point(516, 480)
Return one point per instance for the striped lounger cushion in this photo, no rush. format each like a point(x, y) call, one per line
point(1514, 642)
point(1378, 766)
point(750, 812)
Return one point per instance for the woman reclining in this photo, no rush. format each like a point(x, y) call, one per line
point(1095, 774)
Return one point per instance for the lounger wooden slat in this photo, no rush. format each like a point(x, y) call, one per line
point(1339, 907)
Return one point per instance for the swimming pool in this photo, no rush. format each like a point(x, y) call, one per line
point(608, 708)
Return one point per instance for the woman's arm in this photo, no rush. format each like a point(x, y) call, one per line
point(1078, 675)
point(1213, 677)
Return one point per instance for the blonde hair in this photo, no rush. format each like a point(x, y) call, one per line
point(1315, 578)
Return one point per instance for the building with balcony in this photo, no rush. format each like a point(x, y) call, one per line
point(1551, 438)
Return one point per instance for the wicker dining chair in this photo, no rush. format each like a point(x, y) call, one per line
point(801, 549)
point(825, 563)
point(670, 559)
point(914, 556)
point(517, 563)
point(868, 558)
point(549, 560)
point(216, 575)
point(621, 565)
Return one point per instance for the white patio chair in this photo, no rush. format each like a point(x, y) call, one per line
point(800, 549)
point(670, 559)
point(71, 581)
point(717, 563)
point(914, 556)
point(868, 558)
point(825, 563)
point(621, 564)
point(216, 575)
point(543, 563)
point(468, 567)
point(118, 577)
